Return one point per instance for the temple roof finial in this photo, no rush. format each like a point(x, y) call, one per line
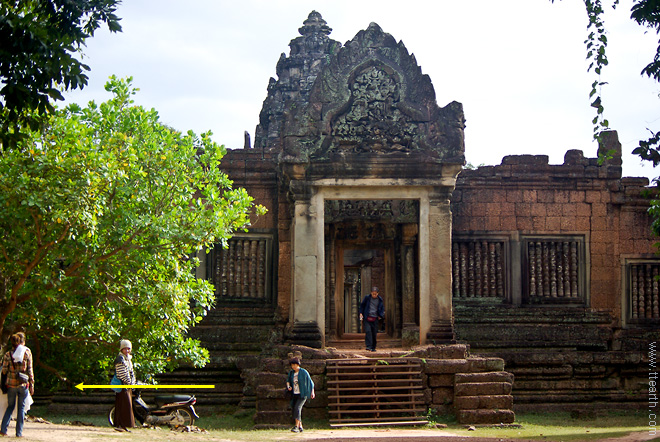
point(315, 25)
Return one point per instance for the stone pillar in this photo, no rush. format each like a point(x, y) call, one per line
point(439, 306)
point(410, 329)
point(304, 328)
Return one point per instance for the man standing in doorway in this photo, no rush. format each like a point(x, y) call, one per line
point(372, 308)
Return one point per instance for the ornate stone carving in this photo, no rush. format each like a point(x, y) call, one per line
point(396, 211)
point(296, 75)
point(374, 121)
point(365, 232)
point(371, 97)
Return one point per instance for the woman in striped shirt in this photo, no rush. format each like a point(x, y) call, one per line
point(124, 418)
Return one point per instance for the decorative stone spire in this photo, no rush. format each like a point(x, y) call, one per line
point(295, 76)
point(315, 25)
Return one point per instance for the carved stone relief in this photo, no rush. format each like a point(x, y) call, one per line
point(395, 211)
point(374, 121)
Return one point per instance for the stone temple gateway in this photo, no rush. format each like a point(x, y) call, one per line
point(369, 163)
point(545, 271)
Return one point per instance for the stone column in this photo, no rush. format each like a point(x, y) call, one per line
point(441, 330)
point(410, 330)
point(304, 327)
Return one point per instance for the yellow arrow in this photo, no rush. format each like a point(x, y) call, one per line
point(82, 386)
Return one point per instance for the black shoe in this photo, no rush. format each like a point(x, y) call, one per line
point(373, 349)
point(301, 429)
point(295, 430)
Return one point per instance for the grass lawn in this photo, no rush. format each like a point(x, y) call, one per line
point(565, 427)
point(550, 427)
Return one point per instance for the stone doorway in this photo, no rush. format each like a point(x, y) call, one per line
point(356, 263)
point(363, 268)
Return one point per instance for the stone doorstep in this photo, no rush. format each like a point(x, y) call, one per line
point(494, 402)
point(482, 389)
point(495, 376)
point(477, 417)
point(440, 380)
point(470, 365)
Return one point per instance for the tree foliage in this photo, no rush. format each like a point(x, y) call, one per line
point(646, 13)
point(103, 212)
point(39, 55)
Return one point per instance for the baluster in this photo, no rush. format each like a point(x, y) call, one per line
point(261, 277)
point(552, 250)
point(500, 270)
point(561, 273)
point(546, 269)
point(654, 294)
point(648, 284)
point(492, 270)
point(238, 271)
point(246, 269)
point(470, 293)
point(232, 263)
point(633, 291)
point(464, 265)
point(253, 268)
point(539, 269)
point(224, 278)
point(455, 266)
point(531, 250)
point(560, 269)
point(574, 270)
point(215, 259)
point(641, 293)
point(477, 270)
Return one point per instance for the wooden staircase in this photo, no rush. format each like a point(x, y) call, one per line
point(370, 392)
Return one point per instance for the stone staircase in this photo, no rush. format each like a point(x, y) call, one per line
point(355, 341)
point(563, 358)
point(483, 398)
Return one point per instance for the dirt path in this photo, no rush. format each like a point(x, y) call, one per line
point(44, 432)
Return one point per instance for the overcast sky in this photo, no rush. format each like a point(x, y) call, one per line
point(518, 66)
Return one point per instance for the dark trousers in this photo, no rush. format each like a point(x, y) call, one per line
point(296, 405)
point(370, 334)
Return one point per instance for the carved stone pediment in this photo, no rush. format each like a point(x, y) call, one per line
point(371, 100)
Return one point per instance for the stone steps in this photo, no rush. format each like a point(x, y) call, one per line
point(357, 343)
point(556, 379)
point(484, 398)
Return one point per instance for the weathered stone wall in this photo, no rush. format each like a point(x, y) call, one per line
point(562, 355)
point(526, 195)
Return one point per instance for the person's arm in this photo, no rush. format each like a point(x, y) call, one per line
point(311, 382)
point(5, 364)
point(29, 370)
point(288, 382)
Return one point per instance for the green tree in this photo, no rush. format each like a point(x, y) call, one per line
point(102, 213)
point(39, 55)
point(645, 13)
